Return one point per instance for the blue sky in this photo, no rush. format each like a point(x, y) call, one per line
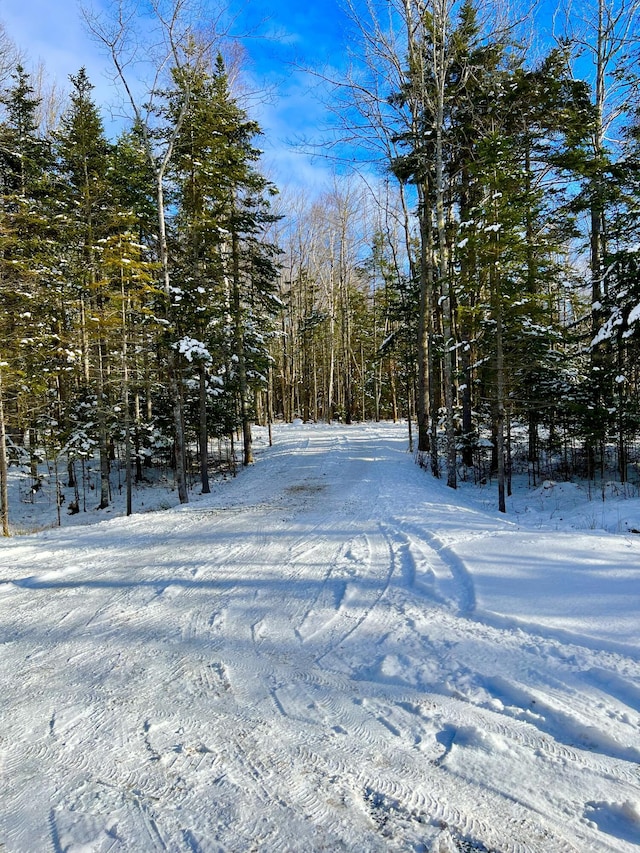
point(287, 33)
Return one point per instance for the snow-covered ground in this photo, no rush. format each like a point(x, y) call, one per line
point(331, 652)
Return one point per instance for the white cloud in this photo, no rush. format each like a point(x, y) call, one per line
point(292, 117)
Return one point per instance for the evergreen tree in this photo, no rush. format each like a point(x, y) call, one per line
point(29, 328)
point(133, 263)
point(226, 269)
point(83, 154)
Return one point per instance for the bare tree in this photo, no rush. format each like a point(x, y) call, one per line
point(607, 33)
point(375, 90)
point(52, 100)
point(10, 56)
point(405, 45)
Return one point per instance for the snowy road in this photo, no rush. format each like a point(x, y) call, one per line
point(332, 652)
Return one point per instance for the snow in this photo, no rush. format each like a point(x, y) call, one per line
point(193, 349)
point(332, 651)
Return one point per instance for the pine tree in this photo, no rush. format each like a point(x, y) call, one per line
point(225, 263)
point(615, 343)
point(27, 268)
point(83, 154)
point(132, 180)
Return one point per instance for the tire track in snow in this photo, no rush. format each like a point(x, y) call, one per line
point(447, 716)
point(366, 595)
point(567, 732)
point(555, 722)
point(402, 791)
point(296, 793)
point(570, 727)
point(360, 570)
point(328, 597)
point(425, 556)
point(251, 742)
point(359, 732)
point(362, 735)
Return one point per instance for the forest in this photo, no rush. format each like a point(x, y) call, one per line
point(475, 272)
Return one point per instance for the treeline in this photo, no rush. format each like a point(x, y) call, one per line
point(500, 289)
point(157, 294)
point(136, 282)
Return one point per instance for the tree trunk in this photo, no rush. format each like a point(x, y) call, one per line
point(243, 385)
point(502, 507)
point(332, 354)
point(105, 465)
point(173, 369)
point(174, 381)
point(440, 65)
point(125, 395)
point(467, 414)
point(270, 404)
point(4, 485)
point(425, 375)
point(203, 431)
